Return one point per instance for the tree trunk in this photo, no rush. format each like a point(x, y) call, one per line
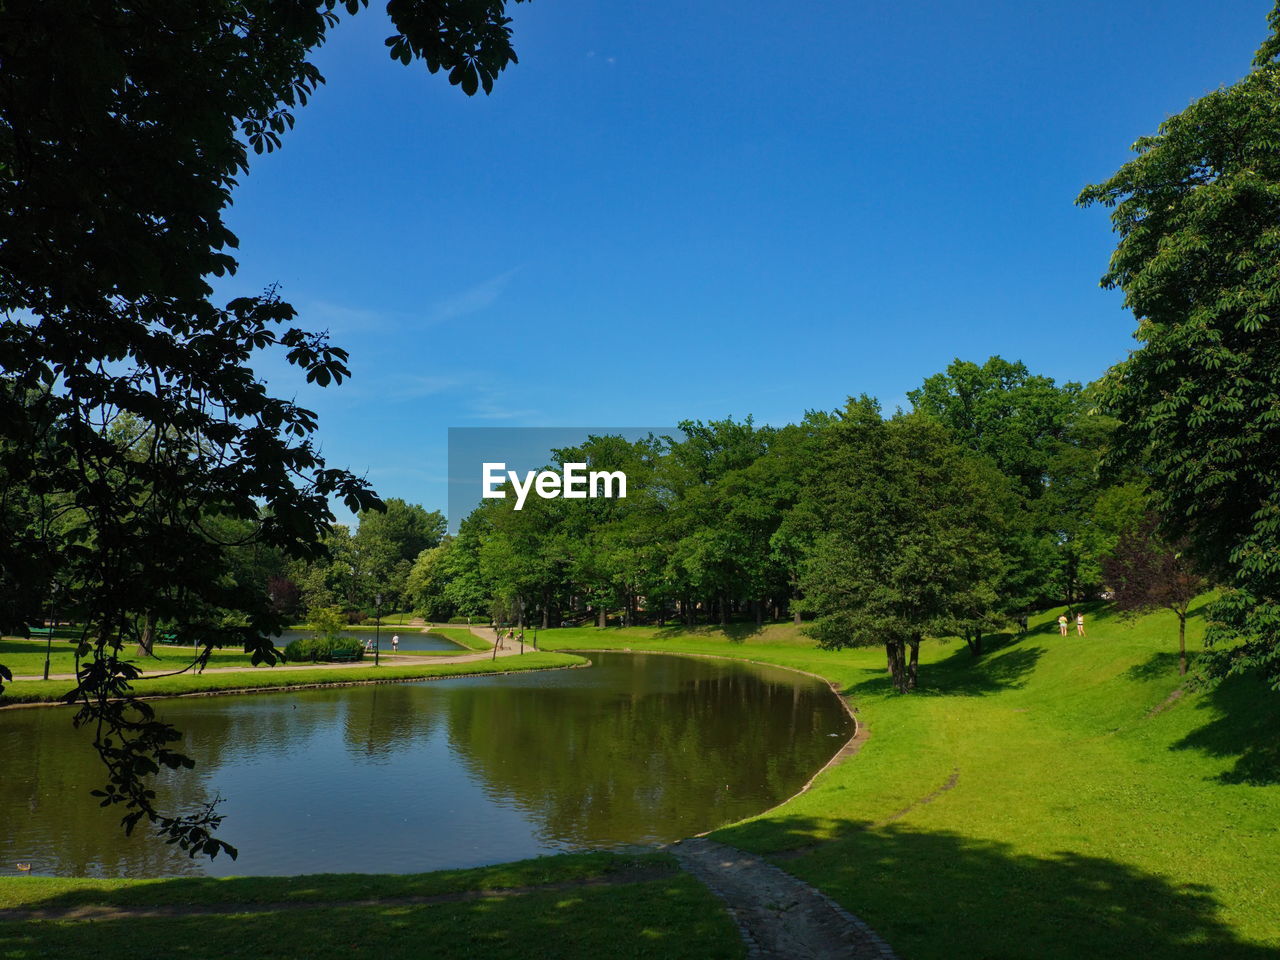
point(148, 638)
point(759, 605)
point(895, 651)
point(603, 620)
point(1182, 643)
point(913, 671)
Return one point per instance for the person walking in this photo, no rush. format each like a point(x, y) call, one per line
point(1062, 624)
point(395, 642)
point(1079, 624)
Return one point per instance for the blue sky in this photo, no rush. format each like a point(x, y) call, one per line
point(674, 210)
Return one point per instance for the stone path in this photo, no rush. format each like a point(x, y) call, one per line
point(778, 915)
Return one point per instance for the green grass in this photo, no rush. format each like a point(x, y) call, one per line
point(26, 657)
point(266, 678)
point(1090, 815)
point(66, 892)
point(465, 638)
point(398, 619)
point(659, 913)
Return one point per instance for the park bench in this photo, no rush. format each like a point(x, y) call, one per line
point(343, 656)
point(168, 639)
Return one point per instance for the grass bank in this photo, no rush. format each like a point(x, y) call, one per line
point(1058, 797)
point(26, 657)
point(268, 678)
point(578, 906)
point(464, 638)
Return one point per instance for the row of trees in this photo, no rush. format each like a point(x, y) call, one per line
point(983, 501)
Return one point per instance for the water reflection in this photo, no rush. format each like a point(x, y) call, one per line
point(424, 776)
point(410, 639)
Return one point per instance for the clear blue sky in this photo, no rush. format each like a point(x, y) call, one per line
point(693, 210)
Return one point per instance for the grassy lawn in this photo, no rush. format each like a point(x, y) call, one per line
point(465, 638)
point(647, 909)
point(1047, 800)
point(265, 678)
point(26, 657)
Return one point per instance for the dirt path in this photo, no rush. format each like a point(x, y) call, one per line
point(778, 915)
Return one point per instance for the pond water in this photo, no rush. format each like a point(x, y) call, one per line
point(410, 777)
point(410, 639)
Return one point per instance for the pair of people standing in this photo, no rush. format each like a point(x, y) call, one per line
point(1062, 624)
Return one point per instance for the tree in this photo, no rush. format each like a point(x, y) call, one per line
point(912, 545)
point(1145, 573)
point(388, 542)
point(123, 130)
point(1199, 403)
point(1001, 410)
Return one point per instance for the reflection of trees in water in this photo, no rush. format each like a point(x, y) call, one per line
point(49, 818)
point(656, 747)
point(386, 720)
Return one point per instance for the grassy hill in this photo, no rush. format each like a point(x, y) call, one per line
point(1056, 798)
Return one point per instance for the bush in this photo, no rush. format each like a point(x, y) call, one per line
point(317, 649)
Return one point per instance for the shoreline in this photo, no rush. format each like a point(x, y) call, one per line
point(318, 685)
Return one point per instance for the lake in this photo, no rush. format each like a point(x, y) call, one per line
point(410, 777)
point(410, 639)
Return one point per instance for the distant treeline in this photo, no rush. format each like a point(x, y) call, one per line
point(989, 493)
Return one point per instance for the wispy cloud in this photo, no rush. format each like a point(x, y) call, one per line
point(337, 318)
point(488, 404)
point(412, 386)
point(472, 300)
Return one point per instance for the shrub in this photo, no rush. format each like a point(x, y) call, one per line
point(316, 649)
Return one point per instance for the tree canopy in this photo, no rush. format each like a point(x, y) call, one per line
point(138, 449)
point(1198, 404)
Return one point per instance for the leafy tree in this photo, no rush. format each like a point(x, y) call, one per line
point(123, 129)
point(386, 544)
point(1197, 211)
point(1001, 410)
point(912, 541)
point(1145, 573)
point(326, 622)
point(425, 585)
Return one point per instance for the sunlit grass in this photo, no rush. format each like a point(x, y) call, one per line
point(1095, 810)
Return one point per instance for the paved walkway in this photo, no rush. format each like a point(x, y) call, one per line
point(778, 915)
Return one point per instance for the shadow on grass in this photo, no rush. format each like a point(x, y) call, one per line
point(671, 917)
point(1244, 725)
point(739, 632)
point(1159, 666)
point(944, 895)
point(962, 675)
